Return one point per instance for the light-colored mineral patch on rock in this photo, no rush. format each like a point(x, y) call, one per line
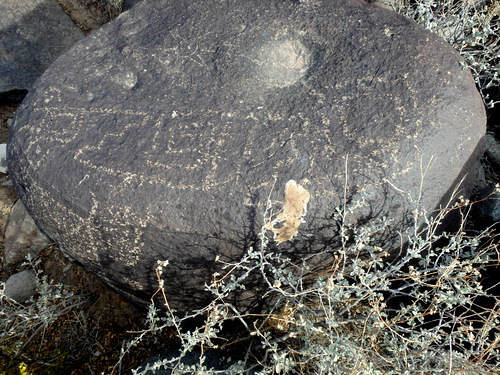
point(126, 79)
point(286, 225)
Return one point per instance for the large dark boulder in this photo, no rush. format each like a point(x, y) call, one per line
point(163, 135)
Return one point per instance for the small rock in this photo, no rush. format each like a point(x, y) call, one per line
point(21, 286)
point(8, 197)
point(3, 158)
point(7, 182)
point(22, 236)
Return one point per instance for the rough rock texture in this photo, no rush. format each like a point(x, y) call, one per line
point(3, 158)
point(8, 197)
point(33, 33)
point(21, 286)
point(164, 134)
point(22, 236)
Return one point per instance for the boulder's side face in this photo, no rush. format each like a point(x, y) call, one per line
point(162, 135)
point(33, 33)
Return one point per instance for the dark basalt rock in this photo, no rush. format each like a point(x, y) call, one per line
point(33, 33)
point(162, 135)
point(21, 286)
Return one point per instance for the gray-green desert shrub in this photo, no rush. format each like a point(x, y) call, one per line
point(24, 326)
point(424, 311)
point(471, 26)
